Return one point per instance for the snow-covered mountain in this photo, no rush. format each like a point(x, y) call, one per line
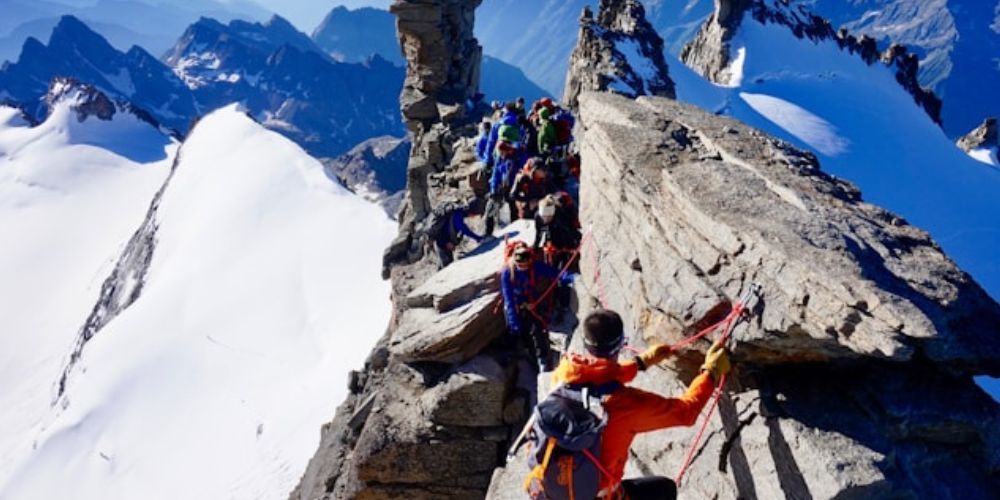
point(75, 51)
point(289, 83)
point(958, 42)
point(232, 283)
point(853, 112)
point(151, 24)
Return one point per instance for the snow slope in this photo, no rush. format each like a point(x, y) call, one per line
point(989, 156)
point(262, 292)
point(66, 209)
point(865, 128)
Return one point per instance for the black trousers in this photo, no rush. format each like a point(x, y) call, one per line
point(650, 488)
point(445, 256)
point(537, 336)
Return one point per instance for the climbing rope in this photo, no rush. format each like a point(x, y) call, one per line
point(746, 303)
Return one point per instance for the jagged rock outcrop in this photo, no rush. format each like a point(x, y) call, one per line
point(88, 102)
point(710, 53)
point(618, 52)
point(442, 79)
point(983, 137)
point(440, 398)
point(857, 378)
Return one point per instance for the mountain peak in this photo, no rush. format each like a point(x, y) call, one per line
point(619, 52)
point(71, 33)
point(984, 136)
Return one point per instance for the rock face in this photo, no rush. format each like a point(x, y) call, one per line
point(440, 398)
point(442, 78)
point(375, 169)
point(710, 53)
point(983, 137)
point(618, 52)
point(856, 379)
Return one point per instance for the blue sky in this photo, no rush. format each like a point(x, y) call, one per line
point(306, 14)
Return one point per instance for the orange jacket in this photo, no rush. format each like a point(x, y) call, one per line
point(630, 410)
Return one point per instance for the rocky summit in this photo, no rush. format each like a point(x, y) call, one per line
point(855, 378)
point(984, 136)
point(618, 52)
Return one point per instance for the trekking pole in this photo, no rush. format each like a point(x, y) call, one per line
point(521, 438)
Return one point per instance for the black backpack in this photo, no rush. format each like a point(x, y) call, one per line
point(439, 221)
point(565, 443)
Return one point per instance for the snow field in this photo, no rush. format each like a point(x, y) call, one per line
point(263, 292)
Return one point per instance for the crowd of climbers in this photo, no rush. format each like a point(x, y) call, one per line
point(533, 172)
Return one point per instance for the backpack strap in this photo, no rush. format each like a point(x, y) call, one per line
point(538, 473)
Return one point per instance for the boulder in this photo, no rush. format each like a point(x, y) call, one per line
point(473, 395)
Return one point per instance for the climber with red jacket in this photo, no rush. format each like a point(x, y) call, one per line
point(600, 377)
point(523, 283)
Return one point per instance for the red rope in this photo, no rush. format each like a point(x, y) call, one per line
point(602, 297)
point(730, 322)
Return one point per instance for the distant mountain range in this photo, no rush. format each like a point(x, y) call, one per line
point(151, 24)
point(75, 51)
point(329, 92)
point(288, 83)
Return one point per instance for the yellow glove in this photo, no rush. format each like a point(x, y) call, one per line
point(717, 361)
point(655, 355)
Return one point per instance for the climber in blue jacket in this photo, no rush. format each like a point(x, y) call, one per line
point(509, 118)
point(483, 143)
point(523, 283)
point(510, 160)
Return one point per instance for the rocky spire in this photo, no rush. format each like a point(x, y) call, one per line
point(442, 76)
point(619, 51)
point(984, 136)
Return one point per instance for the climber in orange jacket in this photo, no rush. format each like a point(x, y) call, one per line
point(633, 411)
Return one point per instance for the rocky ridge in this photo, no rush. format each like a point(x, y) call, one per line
point(853, 295)
point(856, 379)
point(288, 83)
point(439, 398)
point(620, 52)
point(710, 54)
